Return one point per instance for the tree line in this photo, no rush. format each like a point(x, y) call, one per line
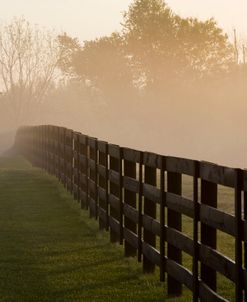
point(155, 54)
point(155, 50)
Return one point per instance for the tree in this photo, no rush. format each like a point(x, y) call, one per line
point(102, 63)
point(28, 60)
point(166, 47)
point(156, 49)
point(205, 49)
point(69, 47)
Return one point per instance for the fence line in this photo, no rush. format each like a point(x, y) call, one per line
point(137, 196)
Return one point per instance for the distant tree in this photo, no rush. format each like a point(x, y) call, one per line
point(69, 47)
point(156, 49)
point(204, 46)
point(28, 60)
point(102, 63)
point(165, 46)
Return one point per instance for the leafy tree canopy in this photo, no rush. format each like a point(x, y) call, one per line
point(167, 46)
point(155, 48)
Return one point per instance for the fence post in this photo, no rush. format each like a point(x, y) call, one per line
point(96, 180)
point(103, 183)
point(208, 234)
point(60, 154)
point(63, 143)
point(46, 149)
point(129, 199)
point(72, 162)
point(76, 184)
point(34, 146)
point(245, 218)
point(54, 152)
point(174, 220)
point(150, 210)
point(52, 161)
point(83, 167)
point(93, 186)
point(41, 146)
point(162, 218)
point(51, 164)
point(78, 170)
point(56, 149)
point(239, 235)
point(48, 133)
point(115, 193)
point(195, 232)
point(66, 173)
point(245, 244)
point(140, 207)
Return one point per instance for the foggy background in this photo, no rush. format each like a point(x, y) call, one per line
point(148, 79)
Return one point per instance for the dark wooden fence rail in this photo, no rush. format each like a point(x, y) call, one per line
point(137, 197)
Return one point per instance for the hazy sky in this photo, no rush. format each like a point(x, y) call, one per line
point(88, 19)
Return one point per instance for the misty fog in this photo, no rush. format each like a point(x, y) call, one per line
point(145, 92)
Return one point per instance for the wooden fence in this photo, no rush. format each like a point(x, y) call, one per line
point(137, 196)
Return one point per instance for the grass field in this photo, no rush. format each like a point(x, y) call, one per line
point(52, 251)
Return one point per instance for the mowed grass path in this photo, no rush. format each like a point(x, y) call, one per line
point(52, 251)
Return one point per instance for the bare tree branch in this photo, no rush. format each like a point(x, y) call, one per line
point(28, 60)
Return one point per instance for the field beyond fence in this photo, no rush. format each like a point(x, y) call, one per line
point(186, 217)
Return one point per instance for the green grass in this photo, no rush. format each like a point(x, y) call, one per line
point(52, 251)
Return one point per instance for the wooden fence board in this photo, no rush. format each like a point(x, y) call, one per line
point(180, 165)
point(179, 204)
point(217, 219)
point(217, 174)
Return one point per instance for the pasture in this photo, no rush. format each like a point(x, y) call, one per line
point(52, 251)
